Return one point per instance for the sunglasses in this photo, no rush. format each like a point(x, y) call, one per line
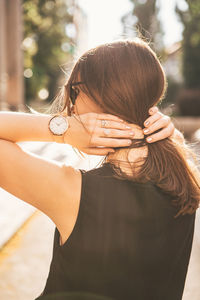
point(74, 91)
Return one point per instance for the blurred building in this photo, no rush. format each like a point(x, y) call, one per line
point(173, 63)
point(81, 25)
point(11, 60)
point(11, 52)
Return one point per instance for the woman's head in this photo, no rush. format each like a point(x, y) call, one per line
point(124, 78)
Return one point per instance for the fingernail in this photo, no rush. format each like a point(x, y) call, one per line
point(146, 123)
point(132, 133)
point(128, 127)
point(149, 139)
point(129, 142)
point(146, 130)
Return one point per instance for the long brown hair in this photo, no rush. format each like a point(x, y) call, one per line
point(125, 78)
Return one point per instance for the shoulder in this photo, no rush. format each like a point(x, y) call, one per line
point(72, 180)
point(67, 206)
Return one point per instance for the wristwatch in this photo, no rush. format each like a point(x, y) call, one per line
point(58, 125)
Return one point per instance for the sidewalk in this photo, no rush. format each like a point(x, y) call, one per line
point(25, 260)
point(192, 285)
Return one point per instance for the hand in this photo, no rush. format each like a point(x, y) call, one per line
point(87, 134)
point(157, 121)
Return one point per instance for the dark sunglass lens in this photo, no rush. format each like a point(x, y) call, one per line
point(74, 91)
point(73, 94)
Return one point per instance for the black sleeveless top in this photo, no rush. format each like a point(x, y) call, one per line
point(126, 243)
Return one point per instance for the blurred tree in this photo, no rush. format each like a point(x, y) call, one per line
point(188, 99)
point(46, 45)
point(191, 43)
point(144, 18)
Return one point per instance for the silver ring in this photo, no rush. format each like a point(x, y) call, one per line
point(106, 132)
point(103, 123)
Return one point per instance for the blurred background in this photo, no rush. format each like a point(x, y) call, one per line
point(39, 41)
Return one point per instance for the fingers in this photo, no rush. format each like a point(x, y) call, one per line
point(155, 117)
point(153, 110)
point(114, 125)
point(163, 134)
point(114, 133)
point(111, 129)
point(162, 122)
point(110, 142)
point(157, 121)
point(95, 123)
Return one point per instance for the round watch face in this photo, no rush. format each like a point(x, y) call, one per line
point(58, 125)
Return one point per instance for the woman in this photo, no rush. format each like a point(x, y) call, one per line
point(115, 238)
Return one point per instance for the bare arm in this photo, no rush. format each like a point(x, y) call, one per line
point(18, 127)
point(35, 180)
point(48, 185)
point(40, 182)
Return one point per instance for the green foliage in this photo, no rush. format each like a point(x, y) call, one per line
point(191, 43)
point(44, 37)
